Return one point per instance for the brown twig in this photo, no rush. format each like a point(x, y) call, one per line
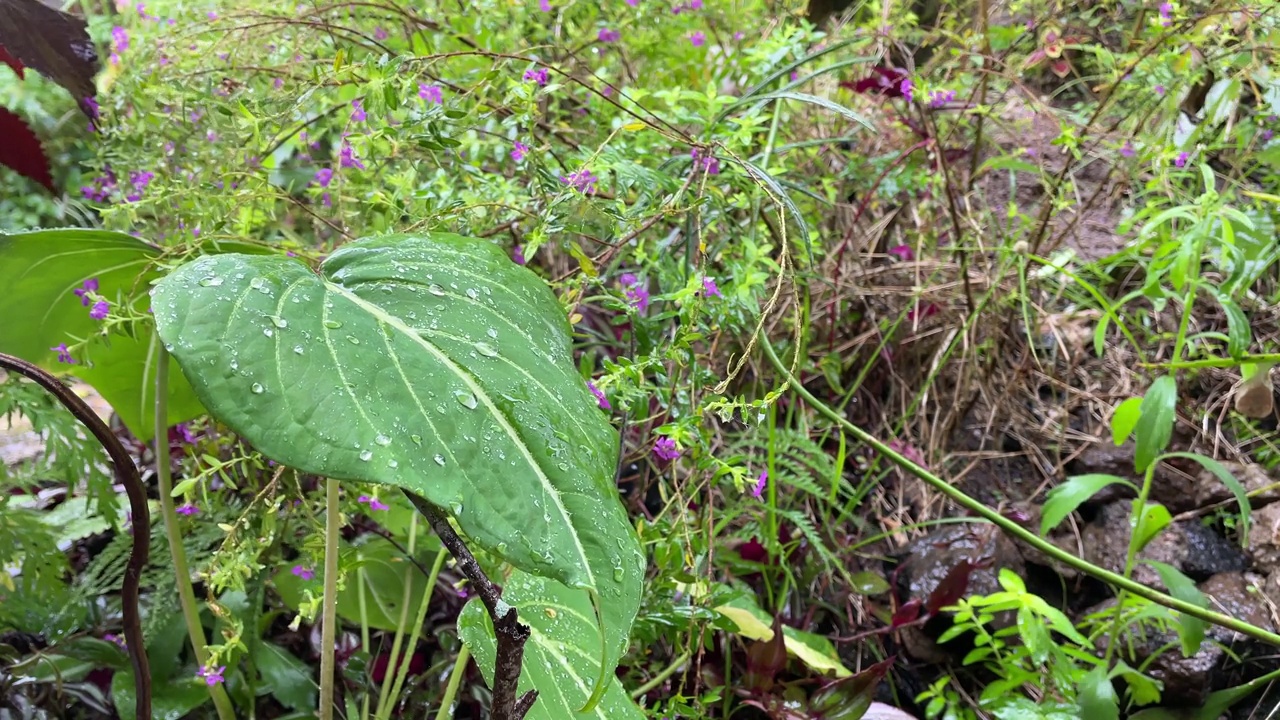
point(511, 635)
point(127, 475)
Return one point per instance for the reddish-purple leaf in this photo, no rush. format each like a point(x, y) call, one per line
point(53, 43)
point(849, 698)
point(886, 81)
point(21, 150)
point(906, 614)
point(952, 587)
point(765, 659)
point(12, 62)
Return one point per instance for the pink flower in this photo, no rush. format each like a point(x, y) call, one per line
point(698, 38)
point(64, 355)
point(600, 398)
point(761, 481)
point(606, 35)
point(431, 93)
point(902, 252)
point(544, 5)
point(518, 151)
point(665, 449)
point(188, 509)
point(709, 287)
point(379, 34)
point(303, 572)
point(212, 676)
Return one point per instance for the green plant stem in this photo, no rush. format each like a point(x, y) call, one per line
point(364, 630)
point(1131, 554)
point(455, 679)
point(164, 480)
point(1217, 362)
point(658, 679)
point(402, 669)
point(1010, 527)
point(383, 711)
point(329, 603)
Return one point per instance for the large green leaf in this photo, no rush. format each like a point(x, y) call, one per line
point(39, 272)
point(561, 659)
point(431, 363)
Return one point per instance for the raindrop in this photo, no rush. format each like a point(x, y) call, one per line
point(439, 460)
point(335, 324)
point(211, 281)
point(257, 388)
point(382, 440)
point(436, 290)
point(617, 574)
point(260, 285)
point(297, 349)
point(417, 439)
point(353, 339)
point(268, 332)
point(279, 322)
point(471, 293)
point(467, 399)
point(493, 333)
point(366, 455)
point(393, 464)
point(486, 349)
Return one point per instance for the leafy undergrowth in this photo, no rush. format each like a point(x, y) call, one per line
point(995, 244)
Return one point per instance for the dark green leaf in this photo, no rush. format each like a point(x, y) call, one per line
point(1097, 697)
point(1125, 419)
point(1223, 474)
point(1155, 517)
point(1065, 498)
point(288, 678)
point(1190, 629)
point(1155, 424)
point(169, 701)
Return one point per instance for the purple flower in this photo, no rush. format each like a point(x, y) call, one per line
point(761, 481)
point(544, 5)
point(1127, 149)
point(119, 641)
point(188, 509)
point(212, 15)
point(379, 34)
point(902, 252)
point(707, 162)
point(1159, 90)
point(1181, 161)
point(430, 93)
point(347, 157)
point(538, 76)
point(517, 254)
point(277, 83)
point(583, 181)
point(938, 98)
point(212, 676)
point(1267, 135)
point(633, 3)
point(64, 355)
point(120, 38)
point(362, 499)
point(324, 176)
point(99, 310)
point(518, 150)
point(82, 292)
point(600, 398)
point(698, 38)
point(635, 292)
point(607, 36)
point(665, 449)
point(303, 572)
point(357, 112)
point(184, 434)
point(1166, 13)
point(376, 504)
point(907, 88)
point(709, 287)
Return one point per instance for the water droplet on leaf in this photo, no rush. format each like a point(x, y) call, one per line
point(466, 399)
point(257, 389)
point(366, 455)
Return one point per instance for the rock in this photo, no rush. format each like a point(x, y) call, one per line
point(1173, 484)
point(1207, 552)
point(1188, 680)
point(1264, 539)
point(1210, 490)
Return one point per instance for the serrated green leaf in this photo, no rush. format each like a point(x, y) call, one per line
point(561, 657)
point(432, 363)
point(1155, 421)
point(1065, 498)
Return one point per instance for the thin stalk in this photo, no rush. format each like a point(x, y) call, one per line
point(329, 612)
point(455, 679)
point(1130, 555)
point(164, 479)
point(1008, 526)
point(402, 670)
point(364, 631)
point(383, 711)
point(658, 679)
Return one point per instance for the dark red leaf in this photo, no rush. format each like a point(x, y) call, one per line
point(20, 149)
point(885, 81)
point(53, 43)
point(849, 698)
point(906, 614)
point(952, 587)
point(753, 551)
point(765, 659)
point(12, 62)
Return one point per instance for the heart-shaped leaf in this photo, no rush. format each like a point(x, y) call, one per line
point(54, 43)
point(40, 272)
point(561, 656)
point(431, 363)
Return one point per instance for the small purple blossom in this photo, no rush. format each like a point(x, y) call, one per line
point(608, 36)
point(323, 177)
point(379, 33)
point(758, 491)
point(303, 572)
point(517, 254)
point(211, 675)
point(600, 398)
point(938, 98)
point(518, 151)
point(99, 310)
point(1127, 149)
point(633, 3)
point(709, 287)
point(1181, 160)
point(357, 112)
point(698, 39)
point(584, 181)
point(112, 638)
point(376, 504)
point(188, 509)
point(544, 5)
point(538, 76)
point(64, 355)
point(430, 93)
point(1166, 14)
point(907, 88)
point(185, 436)
point(635, 292)
point(1159, 89)
point(347, 157)
point(902, 252)
point(665, 449)
point(82, 292)
point(1267, 135)
point(707, 162)
point(120, 39)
